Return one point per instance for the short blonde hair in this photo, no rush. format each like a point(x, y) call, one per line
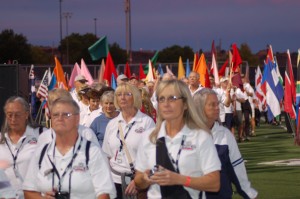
point(137, 101)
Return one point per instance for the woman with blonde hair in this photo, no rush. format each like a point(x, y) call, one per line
point(233, 167)
point(177, 159)
point(122, 137)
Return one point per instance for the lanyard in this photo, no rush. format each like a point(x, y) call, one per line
point(125, 136)
point(67, 168)
point(15, 157)
point(175, 163)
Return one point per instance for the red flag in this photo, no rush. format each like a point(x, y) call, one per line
point(269, 55)
point(258, 91)
point(236, 81)
point(110, 69)
point(290, 89)
point(59, 74)
point(236, 58)
point(141, 73)
point(223, 69)
point(127, 70)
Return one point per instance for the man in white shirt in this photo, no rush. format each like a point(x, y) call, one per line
point(194, 82)
point(79, 82)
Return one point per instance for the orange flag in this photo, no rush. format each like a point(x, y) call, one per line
point(201, 69)
point(59, 74)
point(196, 59)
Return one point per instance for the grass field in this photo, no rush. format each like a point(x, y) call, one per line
point(272, 143)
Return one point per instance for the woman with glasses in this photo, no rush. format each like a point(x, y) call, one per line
point(123, 135)
point(18, 141)
point(177, 159)
point(233, 167)
point(69, 166)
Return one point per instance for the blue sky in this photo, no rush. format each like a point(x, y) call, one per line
point(157, 24)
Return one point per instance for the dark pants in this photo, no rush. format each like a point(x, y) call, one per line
point(228, 120)
point(119, 191)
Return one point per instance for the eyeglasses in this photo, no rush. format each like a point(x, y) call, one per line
point(162, 99)
point(126, 94)
point(17, 115)
point(63, 115)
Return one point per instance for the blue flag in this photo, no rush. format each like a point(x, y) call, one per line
point(113, 82)
point(160, 70)
point(187, 68)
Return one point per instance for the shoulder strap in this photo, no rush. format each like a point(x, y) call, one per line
point(42, 155)
point(87, 153)
point(41, 129)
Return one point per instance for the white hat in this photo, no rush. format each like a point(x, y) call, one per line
point(80, 78)
point(122, 77)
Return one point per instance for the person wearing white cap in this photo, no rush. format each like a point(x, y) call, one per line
point(79, 82)
point(121, 79)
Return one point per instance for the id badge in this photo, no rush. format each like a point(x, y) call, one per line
point(17, 174)
point(119, 157)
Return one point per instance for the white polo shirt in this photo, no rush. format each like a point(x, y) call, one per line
point(75, 96)
point(6, 190)
point(26, 146)
point(239, 95)
point(134, 131)
point(88, 116)
point(87, 183)
point(198, 89)
point(198, 156)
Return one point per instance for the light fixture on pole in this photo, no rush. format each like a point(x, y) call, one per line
point(67, 16)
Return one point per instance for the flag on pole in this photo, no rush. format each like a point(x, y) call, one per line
point(113, 82)
point(32, 93)
point(195, 62)
point(201, 69)
point(181, 71)
point(160, 70)
point(272, 98)
point(187, 68)
point(42, 91)
point(150, 75)
point(75, 72)
point(223, 69)
point(101, 71)
point(290, 88)
point(169, 71)
point(59, 75)
point(215, 71)
point(153, 62)
point(141, 72)
point(99, 49)
point(86, 73)
point(258, 92)
point(236, 58)
point(110, 69)
point(127, 70)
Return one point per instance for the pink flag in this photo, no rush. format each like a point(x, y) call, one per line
point(75, 72)
point(86, 73)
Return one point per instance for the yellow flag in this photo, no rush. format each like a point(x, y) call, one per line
point(181, 70)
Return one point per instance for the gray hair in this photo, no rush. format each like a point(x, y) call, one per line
point(66, 100)
point(190, 115)
point(5, 127)
point(200, 98)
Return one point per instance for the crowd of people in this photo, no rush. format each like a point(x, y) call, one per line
point(164, 139)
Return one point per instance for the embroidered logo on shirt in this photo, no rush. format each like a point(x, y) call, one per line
point(80, 167)
point(139, 130)
point(32, 141)
point(188, 146)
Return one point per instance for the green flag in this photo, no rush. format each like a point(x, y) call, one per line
point(153, 61)
point(99, 49)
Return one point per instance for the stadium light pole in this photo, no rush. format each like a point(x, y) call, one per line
point(128, 29)
point(60, 30)
point(95, 22)
point(67, 16)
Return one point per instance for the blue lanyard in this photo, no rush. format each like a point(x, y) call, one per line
point(175, 163)
point(125, 136)
point(15, 157)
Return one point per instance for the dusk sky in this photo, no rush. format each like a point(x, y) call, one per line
point(157, 24)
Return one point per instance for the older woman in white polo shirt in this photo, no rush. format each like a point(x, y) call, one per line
point(130, 124)
point(179, 151)
point(67, 166)
point(18, 141)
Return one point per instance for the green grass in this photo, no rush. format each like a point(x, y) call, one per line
point(272, 182)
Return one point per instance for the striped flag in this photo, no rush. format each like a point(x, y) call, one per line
point(43, 88)
point(290, 89)
point(258, 92)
